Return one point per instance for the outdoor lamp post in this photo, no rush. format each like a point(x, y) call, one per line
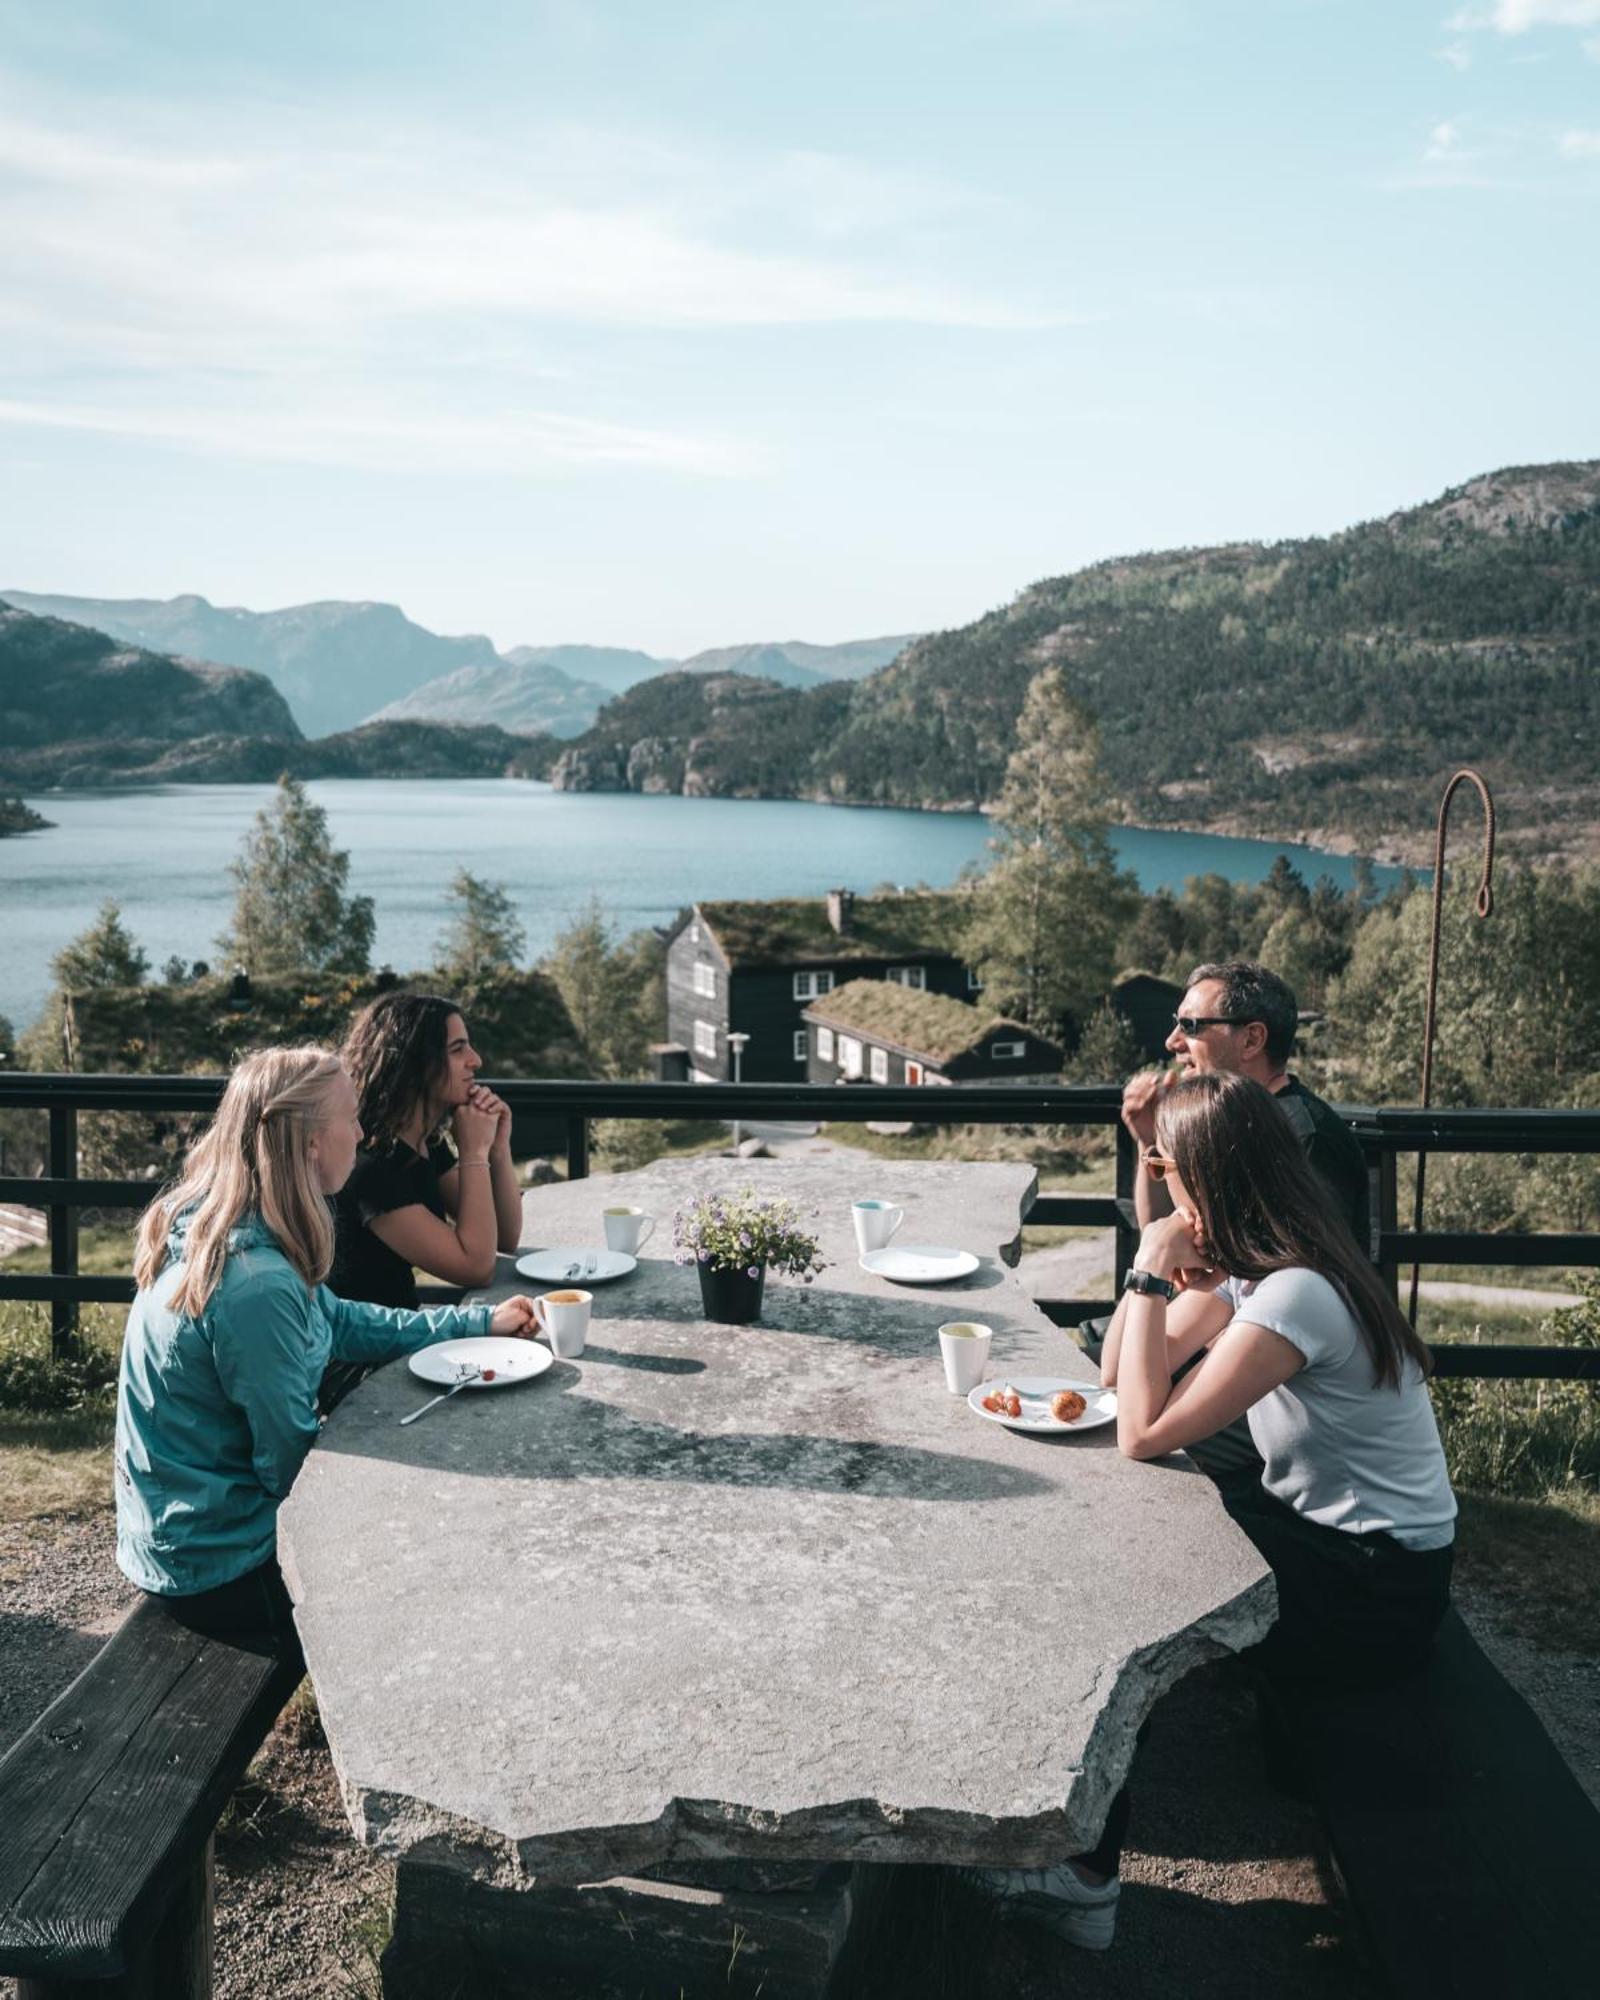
point(736, 1044)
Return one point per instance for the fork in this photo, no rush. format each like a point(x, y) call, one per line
point(463, 1377)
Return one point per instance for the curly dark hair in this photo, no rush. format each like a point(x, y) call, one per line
point(395, 1053)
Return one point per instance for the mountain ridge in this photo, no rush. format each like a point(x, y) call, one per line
point(1266, 689)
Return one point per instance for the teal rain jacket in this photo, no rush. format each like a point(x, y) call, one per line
point(215, 1414)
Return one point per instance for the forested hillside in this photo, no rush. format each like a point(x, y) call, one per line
point(78, 708)
point(1322, 687)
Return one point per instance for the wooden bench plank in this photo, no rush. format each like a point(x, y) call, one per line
point(1469, 1850)
point(113, 1793)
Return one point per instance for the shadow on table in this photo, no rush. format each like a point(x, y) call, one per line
point(904, 1322)
point(595, 1440)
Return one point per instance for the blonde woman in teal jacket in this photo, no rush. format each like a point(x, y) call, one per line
point(228, 1339)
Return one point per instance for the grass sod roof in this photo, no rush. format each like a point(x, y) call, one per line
point(518, 1020)
point(794, 930)
point(919, 1024)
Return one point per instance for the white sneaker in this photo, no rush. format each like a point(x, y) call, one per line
point(1058, 1898)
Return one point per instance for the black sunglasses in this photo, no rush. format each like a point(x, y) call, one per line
point(1191, 1024)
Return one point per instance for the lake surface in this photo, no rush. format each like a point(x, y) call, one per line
point(163, 854)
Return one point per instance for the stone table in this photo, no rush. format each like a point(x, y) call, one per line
point(741, 1609)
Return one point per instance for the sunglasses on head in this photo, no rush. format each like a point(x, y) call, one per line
point(1191, 1024)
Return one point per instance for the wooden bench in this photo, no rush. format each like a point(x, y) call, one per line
point(107, 1807)
point(1469, 1851)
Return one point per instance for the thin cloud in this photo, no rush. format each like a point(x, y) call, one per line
point(1580, 145)
point(1516, 17)
point(376, 299)
point(335, 435)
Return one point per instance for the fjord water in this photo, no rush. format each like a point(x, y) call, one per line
point(163, 854)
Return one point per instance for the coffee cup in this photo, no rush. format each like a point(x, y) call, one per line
point(964, 1348)
point(628, 1229)
point(875, 1223)
point(564, 1321)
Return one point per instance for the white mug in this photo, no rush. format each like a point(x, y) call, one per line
point(876, 1222)
point(964, 1346)
point(628, 1229)
point(564, 1320)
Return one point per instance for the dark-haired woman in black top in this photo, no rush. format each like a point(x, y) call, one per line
point(411, 1201)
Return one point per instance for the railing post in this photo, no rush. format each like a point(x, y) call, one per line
point(1388, 1214)
point(577, 1149)
point(63, 1224)
point(1127, 1241)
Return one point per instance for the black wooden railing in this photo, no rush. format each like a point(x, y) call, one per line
point(1385, 1135)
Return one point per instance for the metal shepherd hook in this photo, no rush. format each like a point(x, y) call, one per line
point(1485, 904)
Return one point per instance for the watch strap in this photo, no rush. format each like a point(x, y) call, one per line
point(1147, 1283)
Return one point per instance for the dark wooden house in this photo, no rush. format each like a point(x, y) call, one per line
point(871, 1031)
point(1147, 1003)
point(751, 969)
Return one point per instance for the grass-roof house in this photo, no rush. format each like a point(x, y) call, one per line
point(871, 1030)
point(751, 969)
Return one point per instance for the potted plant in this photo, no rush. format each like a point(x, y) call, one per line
point(732, 1239)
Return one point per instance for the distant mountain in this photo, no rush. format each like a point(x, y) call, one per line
point(61, 684)
point(1322, 688)
point(528, 699)
point(335, 662)
point(615, 668)
point(794, 663)
point(77, 708)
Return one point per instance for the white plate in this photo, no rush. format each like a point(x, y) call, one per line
point(511, 1360)
point(919, 1264)
point(1035, 1392)
point(595, 1267)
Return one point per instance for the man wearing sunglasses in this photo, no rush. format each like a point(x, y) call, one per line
point(1238, 1016)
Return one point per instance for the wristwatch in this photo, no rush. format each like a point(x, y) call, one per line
point(1148, 1283)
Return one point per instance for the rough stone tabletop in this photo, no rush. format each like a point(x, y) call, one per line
point(764, 1591)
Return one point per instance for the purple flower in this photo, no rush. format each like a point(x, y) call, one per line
point(705, 1256)
point(754, 1271)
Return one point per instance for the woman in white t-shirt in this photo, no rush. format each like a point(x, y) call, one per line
point(1254, 1272)
point(1257, 1274)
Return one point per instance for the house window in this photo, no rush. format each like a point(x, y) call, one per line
point(913, 1072)
point(705, 979)
point(849, 1055)
point(825, 1044)
point(799, 1044)
point(974, 983)
point(909, 975)
point(705, 1039)
point(1008, 1051)
point(879, 1059)
point(807, 985)
point(694, 934)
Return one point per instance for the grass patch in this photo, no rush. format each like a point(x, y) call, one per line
point(55, 1465)
point(56, 1418)
point(1540, 1559)
point(1458, 1320)
point(105, 1250)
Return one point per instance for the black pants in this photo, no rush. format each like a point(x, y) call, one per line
point(255, 1609)
point(1353, 1610)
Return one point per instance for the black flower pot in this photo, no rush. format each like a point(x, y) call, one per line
point(730, 1294)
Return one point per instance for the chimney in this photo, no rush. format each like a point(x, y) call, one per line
point(841, 907)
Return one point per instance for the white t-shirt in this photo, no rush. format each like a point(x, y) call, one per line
point(1340, 1448)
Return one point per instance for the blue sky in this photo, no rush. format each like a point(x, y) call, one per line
point(672, 326)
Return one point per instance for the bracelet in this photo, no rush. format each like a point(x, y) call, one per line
point(473, 1162)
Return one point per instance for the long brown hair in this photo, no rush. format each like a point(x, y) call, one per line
point(1263, 1209)
point(253, 1158)
point(395, 1053)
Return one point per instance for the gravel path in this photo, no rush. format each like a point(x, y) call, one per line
point(1224, 1891)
